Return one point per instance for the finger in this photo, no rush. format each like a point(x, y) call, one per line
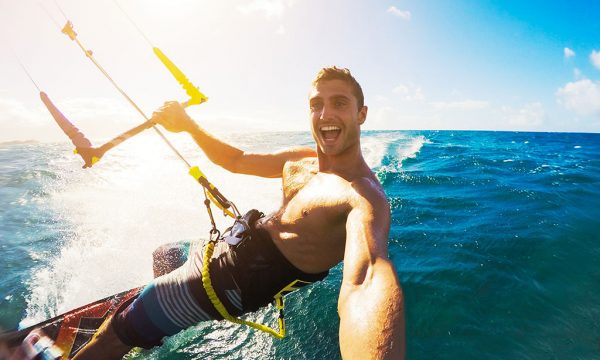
point(156, 116)
point(169, 106)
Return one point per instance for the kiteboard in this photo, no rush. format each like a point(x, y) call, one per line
point(72, 330)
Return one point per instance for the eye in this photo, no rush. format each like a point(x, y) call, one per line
point(340, 103)
point(316, 106)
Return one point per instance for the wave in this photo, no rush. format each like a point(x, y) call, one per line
point(376, 147)
point(413, 148)
point(404, 150)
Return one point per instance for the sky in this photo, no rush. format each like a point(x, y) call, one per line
point(423, 64)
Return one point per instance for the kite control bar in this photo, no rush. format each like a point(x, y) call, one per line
point(196, 97)
point(91, 155)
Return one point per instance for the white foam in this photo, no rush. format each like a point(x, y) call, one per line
point(407, 148)
point(412, 149)
point(375, 147)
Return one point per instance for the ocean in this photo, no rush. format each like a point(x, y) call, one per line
point(495, 236)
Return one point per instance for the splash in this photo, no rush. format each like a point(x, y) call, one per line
point(406, 149)
point(114, 215)
point(376, 147)
point(414, 146)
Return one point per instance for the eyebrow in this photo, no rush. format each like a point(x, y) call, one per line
point(334, 97)
point(340, 97)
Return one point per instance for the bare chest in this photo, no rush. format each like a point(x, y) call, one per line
point(295, 177)
point(311, 197)
point(310, 227)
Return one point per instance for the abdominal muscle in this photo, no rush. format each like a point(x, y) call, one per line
point(307, 251)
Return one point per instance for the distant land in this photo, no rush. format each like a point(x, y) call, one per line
point(19, 142)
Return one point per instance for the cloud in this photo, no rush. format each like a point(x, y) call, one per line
point(107, 110)
point(403, 14)
point(380, 98)
point(390, 118)
point(577, 73)
point(530, 116)
point(14, 113)
point(97, 117)
point(595, 58)
point(409, 92)
point(568, 53)
point(582, 97)
point(227, 124)
point(18, 122)
point(271, 8)
point(461, 105)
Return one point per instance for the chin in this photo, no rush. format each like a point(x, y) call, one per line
point(330, 150)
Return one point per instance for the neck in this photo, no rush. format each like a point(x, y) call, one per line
point(349, 164)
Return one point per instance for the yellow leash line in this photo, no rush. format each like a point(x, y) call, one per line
point(214, 299)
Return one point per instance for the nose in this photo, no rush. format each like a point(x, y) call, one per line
point(325, 112)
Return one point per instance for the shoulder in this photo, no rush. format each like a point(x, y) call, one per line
point(298, 152)
point(369, 208)
point(305, 163)
point(368, 193)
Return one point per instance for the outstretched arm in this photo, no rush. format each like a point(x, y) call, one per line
point(371, 304)
point(172, 116)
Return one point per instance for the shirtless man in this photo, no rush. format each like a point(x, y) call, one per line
point(333, 209)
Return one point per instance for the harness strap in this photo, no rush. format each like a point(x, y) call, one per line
point(214, 299)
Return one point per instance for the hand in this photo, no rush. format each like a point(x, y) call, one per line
point(90, 155)
point(28, 349)
point(172, 116)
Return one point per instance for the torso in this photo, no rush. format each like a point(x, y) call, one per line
point(310, 227)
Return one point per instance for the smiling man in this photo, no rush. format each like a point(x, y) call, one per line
point(333, 209)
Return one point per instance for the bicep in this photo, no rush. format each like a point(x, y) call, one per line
point(367, 228)
point(268, 165)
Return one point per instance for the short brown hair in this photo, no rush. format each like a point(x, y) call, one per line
point(336, 73)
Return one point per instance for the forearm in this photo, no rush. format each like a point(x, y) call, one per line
point(173, 117)
point(218, 151)
point(371, 305)
point(372, 315)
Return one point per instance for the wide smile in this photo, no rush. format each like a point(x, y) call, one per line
point(330, 133)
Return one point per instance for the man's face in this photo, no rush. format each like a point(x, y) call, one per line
point(335, 116)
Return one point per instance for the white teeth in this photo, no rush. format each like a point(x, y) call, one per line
point(329, 128)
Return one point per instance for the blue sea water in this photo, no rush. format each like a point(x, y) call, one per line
point(495, 236)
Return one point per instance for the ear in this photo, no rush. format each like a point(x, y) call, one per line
point(362, 115)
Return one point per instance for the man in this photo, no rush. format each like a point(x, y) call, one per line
point(333, 209)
